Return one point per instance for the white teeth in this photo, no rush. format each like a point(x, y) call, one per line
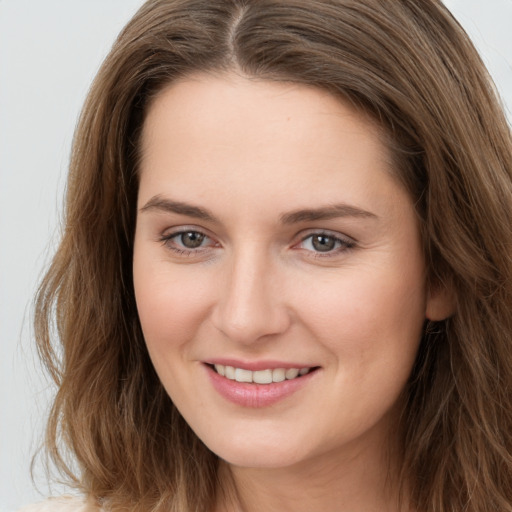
point(278, 375)
point(291, 373)
point(229, 372)
point(260, 376)
point(242, 375)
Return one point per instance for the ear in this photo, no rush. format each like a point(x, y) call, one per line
point(441, 301)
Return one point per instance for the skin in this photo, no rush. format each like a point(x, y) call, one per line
point(250, 153)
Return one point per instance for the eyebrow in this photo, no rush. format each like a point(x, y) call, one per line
point(328, 212)
point(162, 204)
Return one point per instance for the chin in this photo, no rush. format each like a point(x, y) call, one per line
point(259, 459)
point(250, 452)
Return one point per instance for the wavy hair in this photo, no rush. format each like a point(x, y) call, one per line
point(410, 66)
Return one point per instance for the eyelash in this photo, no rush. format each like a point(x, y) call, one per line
point(341, 244)
point(169, 243)
point(344, 243)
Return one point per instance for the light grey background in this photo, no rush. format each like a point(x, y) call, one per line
point(49, 53)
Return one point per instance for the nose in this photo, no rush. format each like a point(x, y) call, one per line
point(250, 305)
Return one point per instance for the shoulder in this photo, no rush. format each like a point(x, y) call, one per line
point(64, 504)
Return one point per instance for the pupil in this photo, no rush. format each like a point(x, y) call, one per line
point(192, 239)
point(323, 243)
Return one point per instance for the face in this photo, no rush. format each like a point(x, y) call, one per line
point(278, 269)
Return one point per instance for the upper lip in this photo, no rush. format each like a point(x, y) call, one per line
point(257, 365)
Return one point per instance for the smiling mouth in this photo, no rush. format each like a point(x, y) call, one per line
point(268, 376)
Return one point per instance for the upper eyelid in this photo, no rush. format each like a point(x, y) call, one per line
point(169, 232)
point(327, 232)
point(175, 234)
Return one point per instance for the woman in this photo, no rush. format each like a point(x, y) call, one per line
point(285, 280)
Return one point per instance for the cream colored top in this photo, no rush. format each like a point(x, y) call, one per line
point(64, 504)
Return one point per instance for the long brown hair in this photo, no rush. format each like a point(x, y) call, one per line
point(409, 65)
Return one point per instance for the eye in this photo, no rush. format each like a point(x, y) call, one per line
point(190, 239)
point(325, 243)
point(187, 241)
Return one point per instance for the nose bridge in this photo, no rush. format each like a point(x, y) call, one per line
point(250, 304)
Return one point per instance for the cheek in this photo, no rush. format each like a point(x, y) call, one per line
point(369, 316)
point(372, 333)
point(171, 305)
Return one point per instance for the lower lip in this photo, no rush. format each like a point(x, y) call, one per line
point(256, 395)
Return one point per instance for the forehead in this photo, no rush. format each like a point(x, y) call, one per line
point(260, 139)
point(208, 105)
